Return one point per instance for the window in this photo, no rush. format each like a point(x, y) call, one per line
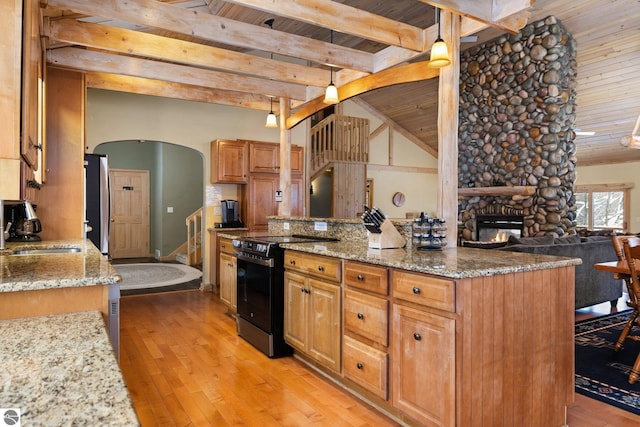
point(603, 206)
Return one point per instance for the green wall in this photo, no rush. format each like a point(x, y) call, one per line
point(176, 180)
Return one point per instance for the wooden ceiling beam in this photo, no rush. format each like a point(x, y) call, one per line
point(148, 45)
point(173, 90)
point(345, 19)
point(86, 60)
point(401, 74)
point(155, 14)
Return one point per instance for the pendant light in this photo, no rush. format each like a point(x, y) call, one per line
point(331, 93)
point(439, 51)
point(272, 122)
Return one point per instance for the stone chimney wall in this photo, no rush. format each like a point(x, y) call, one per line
point(517, 117)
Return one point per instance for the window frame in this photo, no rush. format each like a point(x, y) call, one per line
point(624, 187)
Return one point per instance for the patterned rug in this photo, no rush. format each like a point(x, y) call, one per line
point(601, 372)
point(155, 275)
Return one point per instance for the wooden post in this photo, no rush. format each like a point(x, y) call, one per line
point(284, 207)
point(448, 101)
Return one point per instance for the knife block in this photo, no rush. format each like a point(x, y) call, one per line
point(388, 238)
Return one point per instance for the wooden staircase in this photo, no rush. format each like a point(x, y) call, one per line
point(194, 240)
point(341, 143)
point(338, 138)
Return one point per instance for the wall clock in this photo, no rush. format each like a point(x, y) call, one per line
point(398, 199)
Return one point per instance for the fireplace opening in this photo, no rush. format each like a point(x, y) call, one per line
point(498, 228)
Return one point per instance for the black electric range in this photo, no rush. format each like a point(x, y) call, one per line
point(260, 290)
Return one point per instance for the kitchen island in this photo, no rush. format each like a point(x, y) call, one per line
point(449, 337)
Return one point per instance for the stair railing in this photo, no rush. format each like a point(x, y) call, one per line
point(194, 238)
point(339, 138)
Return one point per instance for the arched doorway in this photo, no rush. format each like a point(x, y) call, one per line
point(176, 178)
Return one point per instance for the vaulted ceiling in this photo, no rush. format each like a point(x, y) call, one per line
point(243, 52)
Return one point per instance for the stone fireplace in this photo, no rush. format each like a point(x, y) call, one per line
point(517, 114)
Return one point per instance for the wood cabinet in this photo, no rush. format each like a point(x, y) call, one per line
point(229, 162)
point(31, 86)
point(366, 327)
point(264, 157)
point(261, 199)
point(227, 268)
point(423, 369)
point(312, 307)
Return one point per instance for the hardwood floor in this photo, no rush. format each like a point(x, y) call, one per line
point(184, 365)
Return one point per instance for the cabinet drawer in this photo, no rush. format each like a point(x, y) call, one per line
point(368, 277)
point(424, 290)
point(226, 245)
point(367, 316)
point(366, 366)
point(313, 265)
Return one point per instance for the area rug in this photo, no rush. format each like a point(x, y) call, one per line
point(157, 277)
point(601, 372)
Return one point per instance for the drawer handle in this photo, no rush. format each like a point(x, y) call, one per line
point(230, 265)
point(320, 268)
point(359, 365)
point(360, 316)
point(416, 291)
point(292, 261)
point(360, 277)
point(417, 336)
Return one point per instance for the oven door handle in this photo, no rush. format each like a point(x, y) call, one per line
point(267, 262)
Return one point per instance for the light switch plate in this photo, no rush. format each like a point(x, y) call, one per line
point(169, 209)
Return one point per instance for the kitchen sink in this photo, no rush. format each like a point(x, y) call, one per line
point(46, 251)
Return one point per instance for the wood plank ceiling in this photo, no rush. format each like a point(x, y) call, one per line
point(227, 52)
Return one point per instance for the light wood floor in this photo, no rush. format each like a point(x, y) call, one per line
point(184, 365)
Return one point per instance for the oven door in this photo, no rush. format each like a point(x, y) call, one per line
point(255, 291)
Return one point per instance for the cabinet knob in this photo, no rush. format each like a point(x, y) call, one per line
point(417, 336)
point(360, 277)
point(359, 365)
point(302, 290)
point(320, 268)
point(360, 316)
point(230, 265)
point(416, 291)
point(292, 261)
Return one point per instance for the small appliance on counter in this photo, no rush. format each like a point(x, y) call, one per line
point(230, 213)
point(25, 224)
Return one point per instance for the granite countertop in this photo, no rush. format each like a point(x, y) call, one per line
point(33, 272)
point(61, 370)
point(452, 262)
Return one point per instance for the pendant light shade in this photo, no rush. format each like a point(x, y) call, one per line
point(439, 52)
point(331, 93)
point(272, 121)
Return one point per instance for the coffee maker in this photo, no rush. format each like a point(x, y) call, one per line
point(230, 214)
point(25, 224)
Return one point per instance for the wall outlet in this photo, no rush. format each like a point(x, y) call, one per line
point(286, 226)
point(320, 226)
point(158, 254)
point(169, 209)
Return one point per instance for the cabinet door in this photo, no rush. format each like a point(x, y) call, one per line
point(229, 162)
point(423, 384)
point(262, 200)
point(295, 312)
point(323, 341)
point(228, 266)
point(297, 160)
point(264, 157)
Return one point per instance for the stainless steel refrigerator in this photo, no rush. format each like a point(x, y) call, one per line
point(96, 171)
